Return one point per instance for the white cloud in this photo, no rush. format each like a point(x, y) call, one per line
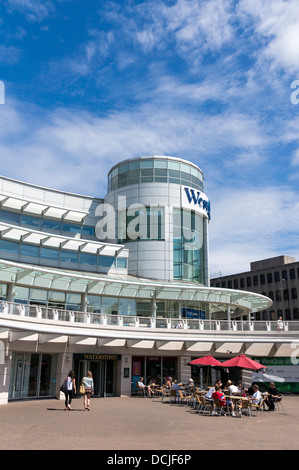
point(34, 10)
point(277, 23)
point(248, 225)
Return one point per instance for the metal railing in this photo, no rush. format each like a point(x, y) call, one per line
point(46, 313)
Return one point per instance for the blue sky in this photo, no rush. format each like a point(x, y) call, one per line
point(89, 83)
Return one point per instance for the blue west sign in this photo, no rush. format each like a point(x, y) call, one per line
point(195, 197)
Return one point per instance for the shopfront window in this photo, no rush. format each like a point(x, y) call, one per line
point(33, 375)
point(153, 368)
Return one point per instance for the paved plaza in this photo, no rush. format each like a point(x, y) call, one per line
point(136, 423)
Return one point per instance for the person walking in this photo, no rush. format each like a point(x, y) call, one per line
point(89, 389)
point(70, 389)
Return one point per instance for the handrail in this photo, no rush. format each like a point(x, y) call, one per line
point(57, 315)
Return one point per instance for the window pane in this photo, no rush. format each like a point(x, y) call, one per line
point(106, 261)
point(10, 217)
point(29, 250)
point(51, 225)
point(10, 247)
point(87, 230)
point(68, 256)
point(71, 228)
point(146, 164)
point(88, 259)
point(31, 221)
point(109, 305)
point(48, 253)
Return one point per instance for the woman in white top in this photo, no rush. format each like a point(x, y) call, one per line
point(70, 389)
point(89, 389)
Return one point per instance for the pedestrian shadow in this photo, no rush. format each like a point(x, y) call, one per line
point(65, 411)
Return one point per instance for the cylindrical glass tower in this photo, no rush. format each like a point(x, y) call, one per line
point(161, 216)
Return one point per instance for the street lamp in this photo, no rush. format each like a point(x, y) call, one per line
point(287, 286)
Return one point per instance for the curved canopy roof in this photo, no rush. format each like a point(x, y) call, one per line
point(240, 302)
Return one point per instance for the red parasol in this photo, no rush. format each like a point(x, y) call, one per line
point(205, 361)
point(243, 362)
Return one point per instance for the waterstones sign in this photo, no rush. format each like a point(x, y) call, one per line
point(194, 199)
point(97, 357)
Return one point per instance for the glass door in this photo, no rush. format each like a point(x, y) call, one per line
point(33, 375)
point(102, 373)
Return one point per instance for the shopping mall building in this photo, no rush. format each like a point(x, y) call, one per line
point(103, 284)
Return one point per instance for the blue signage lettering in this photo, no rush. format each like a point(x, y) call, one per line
point(198, 200)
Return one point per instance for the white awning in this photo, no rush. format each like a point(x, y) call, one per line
point(34, 208)
point(35, 237)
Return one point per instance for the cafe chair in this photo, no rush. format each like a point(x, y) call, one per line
point(278, 403)
point(164, 394)
point(203, 404)
point(259, 407)
point(183, 400)
point(173, 396)
point(244, 407)
point(218, 406)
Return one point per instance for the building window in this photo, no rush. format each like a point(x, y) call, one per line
point(284, 275)
point(294, 293)
point(292, 273)
point(255, 280)
point(269, 278)
point(248, 281)
point(278, 295)
point(276, 276)
point(285, 294)
point(262, 278)
point(295, 313)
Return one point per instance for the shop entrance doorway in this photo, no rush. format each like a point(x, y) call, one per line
point(103, 373)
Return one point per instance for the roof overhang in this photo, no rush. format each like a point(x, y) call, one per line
point(132, 287)
point(41, 210)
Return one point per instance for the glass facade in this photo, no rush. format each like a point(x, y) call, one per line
point(144, 223)
point(154, 170)
point(47, 225)
point(188, 250)
point(46, 256)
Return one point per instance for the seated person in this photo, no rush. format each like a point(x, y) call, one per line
point(256, 397)
point(168, 382)
point(219, 395)
point(232, 389)
point(271, 397)
point(144, 387)
point(190, 387)
point(250, 390)
point(175, 386)
point(208, 396)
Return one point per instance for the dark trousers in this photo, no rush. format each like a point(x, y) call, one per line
point(270, 403)
point(68, 397)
